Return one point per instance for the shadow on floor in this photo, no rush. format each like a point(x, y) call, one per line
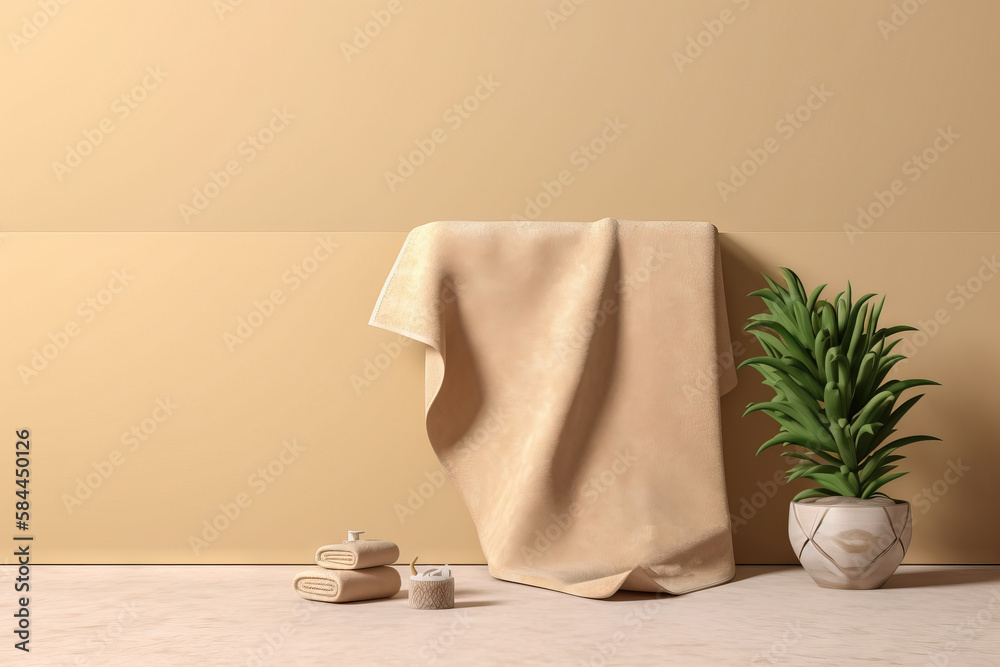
point(944, 577)
point(401, 595)
point(475, 603)
point(633, 596)
point(744, 572)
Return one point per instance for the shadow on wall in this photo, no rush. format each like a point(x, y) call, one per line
point(972, 456)
point(758, 497)
point(950, 482)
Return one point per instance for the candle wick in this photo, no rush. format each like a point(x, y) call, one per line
point(413, 570)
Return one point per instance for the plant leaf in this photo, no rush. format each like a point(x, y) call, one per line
point(833, 481)
point(879, 483)
point(813, 493)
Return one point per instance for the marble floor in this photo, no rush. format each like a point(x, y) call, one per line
point(83, 615)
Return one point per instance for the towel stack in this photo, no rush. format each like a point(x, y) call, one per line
point(350, 571)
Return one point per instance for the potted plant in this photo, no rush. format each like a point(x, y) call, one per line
point(829, 365)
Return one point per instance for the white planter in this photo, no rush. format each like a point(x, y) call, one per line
point(850, 543)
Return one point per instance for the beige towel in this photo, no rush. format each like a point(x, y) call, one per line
point(357, 555)
point(573, 375)
point(325, 585)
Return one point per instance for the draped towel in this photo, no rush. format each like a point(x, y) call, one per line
point(573, 376)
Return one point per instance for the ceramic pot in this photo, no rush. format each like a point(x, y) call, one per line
point(850, 543)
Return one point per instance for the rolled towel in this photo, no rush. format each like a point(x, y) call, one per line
point(347, 585)
point(357, 554)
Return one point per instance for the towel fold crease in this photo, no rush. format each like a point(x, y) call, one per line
point(323, 585)
point(357, 555)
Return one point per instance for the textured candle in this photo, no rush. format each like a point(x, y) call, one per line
point(431, 589)
point(432, 593)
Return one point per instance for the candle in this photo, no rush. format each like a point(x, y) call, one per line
point(431, 589)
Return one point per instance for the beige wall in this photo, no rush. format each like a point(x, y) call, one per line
point(162, 95)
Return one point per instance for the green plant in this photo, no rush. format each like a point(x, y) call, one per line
point(828, 364)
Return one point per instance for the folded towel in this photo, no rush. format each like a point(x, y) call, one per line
point(357, 554)
point(347, 585)
point(573, 375)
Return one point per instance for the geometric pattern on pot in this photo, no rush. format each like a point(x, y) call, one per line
point(841, 544)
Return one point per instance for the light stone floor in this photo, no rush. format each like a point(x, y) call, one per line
point(249, 615)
